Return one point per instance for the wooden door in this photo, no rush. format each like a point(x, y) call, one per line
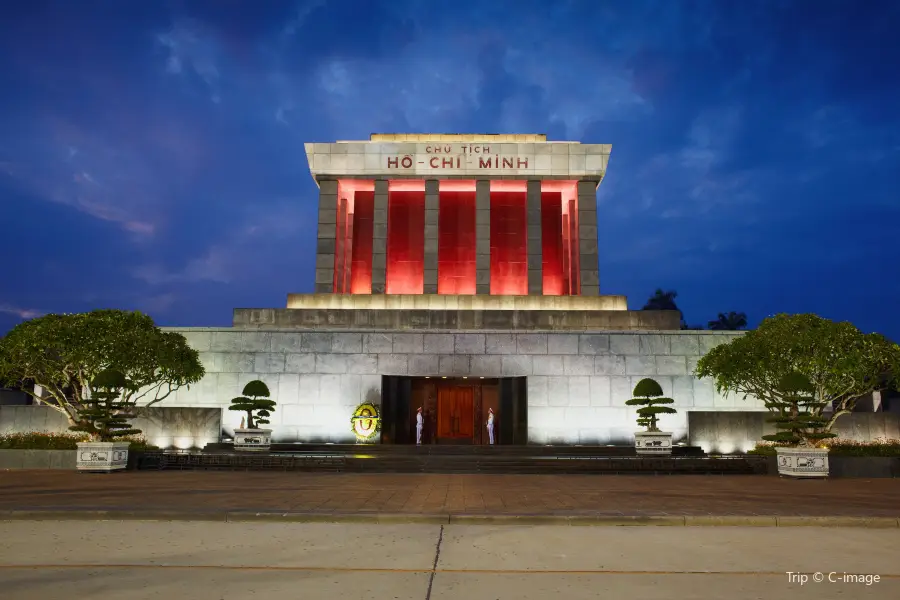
point(455, 412)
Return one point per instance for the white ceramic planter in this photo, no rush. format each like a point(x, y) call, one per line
point(252, 440)
point(802, 462)
point(102, 456)
point(653, 442)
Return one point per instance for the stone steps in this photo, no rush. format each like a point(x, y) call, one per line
point(518, 462)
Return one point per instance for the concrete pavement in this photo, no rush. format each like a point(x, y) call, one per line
point(130, 560)
point(447, 497)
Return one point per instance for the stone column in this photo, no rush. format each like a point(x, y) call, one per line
point(432, 206)
point(326, 242)
point(483, 237)
point(379, 236)
point(535, 253)
point(587, 238)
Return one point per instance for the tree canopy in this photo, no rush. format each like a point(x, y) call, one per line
point(795, 416)
point(255, 402)
point(648, 394)
point(841, 363)
point(731, 321)
point(64, 353)
point(662, 300)
point(104, 414)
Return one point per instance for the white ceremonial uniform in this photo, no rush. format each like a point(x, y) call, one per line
point(419, 424)
point(490, 428)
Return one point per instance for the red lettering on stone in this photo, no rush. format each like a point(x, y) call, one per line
point(447, 163)
point(507, 163)
point(406, 162)
point(433, 163)
point(522, 163)
point(393, 163)
point(484, 163)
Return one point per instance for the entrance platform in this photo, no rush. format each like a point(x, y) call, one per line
point(383, 458)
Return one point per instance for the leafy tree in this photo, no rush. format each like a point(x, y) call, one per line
point(841, 363)
point(64, 353)
point(104, 414)
point(729, 322)
point(255, 399)
point(795, 414)
point(649, 395)
point(661, 300)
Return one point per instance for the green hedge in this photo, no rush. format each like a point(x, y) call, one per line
point(840, 447)
point(57, 441)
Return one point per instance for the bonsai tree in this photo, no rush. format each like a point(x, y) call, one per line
point(55, 358)
point(255, 399)
point(104, 414)
point(796, 417)
point(841, 363)
point(649, 396)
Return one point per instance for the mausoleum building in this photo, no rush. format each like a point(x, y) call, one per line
point(457, 274)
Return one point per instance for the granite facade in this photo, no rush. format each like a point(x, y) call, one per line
point(169, 426)
point(577, 382)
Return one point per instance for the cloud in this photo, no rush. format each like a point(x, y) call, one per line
point(22, 313)
point(192, 52)
point(245, 246)
point(696, 178)
point(61, 182)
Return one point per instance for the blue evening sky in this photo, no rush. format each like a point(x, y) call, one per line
point(151, 153)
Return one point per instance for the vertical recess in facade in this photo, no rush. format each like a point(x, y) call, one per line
point(456, 238)
point(405, 237)
point(509, 238)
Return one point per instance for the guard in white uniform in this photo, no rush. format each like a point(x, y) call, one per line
point(490, 426)
point(419, 424)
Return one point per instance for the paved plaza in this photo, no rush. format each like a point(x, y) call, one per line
point(214, 493)
point(131, 560)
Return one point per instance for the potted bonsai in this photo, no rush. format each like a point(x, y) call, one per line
point(649, 396)
point(256, 403)
point(105, 415)
point(801, 428)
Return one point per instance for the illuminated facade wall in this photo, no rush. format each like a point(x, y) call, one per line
point(553, 221)
point(406, 237)
point(456, 238)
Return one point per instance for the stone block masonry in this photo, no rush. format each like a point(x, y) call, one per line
point(577, 383)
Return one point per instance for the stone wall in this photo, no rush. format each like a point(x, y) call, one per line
point(727, 432)
point(414, 319)
point(162, 426)
point(577, 383)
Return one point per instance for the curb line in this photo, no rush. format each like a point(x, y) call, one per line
point(453, 519)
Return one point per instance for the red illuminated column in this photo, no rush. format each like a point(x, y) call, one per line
point(551, 243)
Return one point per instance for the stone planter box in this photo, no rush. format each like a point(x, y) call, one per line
point(38, 459)
point(653, 442)
point(252, 440)
point(102, 457)
point(802, 462)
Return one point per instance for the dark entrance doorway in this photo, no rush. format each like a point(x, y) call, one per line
point(454, 410)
